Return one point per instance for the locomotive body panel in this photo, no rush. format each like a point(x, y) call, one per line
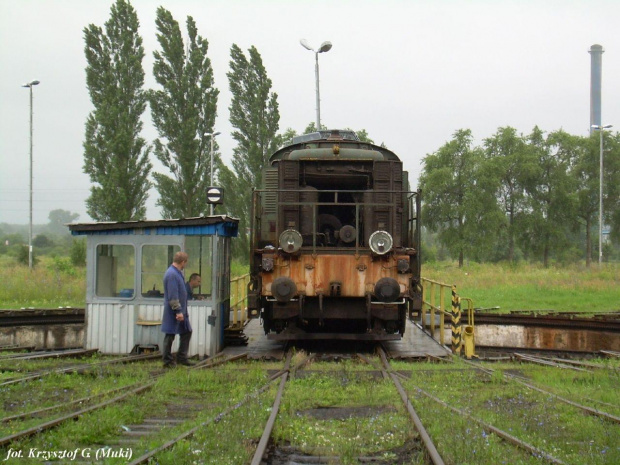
point(336, 275)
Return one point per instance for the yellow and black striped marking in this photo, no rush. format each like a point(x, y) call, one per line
point(456, 322)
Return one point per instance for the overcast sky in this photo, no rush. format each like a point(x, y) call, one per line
point(409, 72)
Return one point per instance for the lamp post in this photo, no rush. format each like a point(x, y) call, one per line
point(600, 198)
point(212, 135)
point(325, 47)
point(30, 85)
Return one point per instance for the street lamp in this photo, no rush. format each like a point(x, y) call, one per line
point(325, 47)
point(600, 198)
point(30, 84)
point(212, 135)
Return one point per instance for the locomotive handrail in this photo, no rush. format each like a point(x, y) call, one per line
point(429, 294)
point(278, 204)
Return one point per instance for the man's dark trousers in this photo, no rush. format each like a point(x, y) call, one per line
point(183, 348)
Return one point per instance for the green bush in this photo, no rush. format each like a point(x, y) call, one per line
point(78, 252)
point(23, 256)
point(62, 265)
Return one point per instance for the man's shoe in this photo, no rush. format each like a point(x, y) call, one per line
point(170, 365)
point(187, 363)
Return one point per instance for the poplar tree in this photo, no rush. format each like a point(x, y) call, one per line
point(115, 156)
point(183, 112)
point(254, 115)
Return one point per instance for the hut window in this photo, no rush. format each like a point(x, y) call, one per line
point(115, 271)
point(200, 261)
point(155, 261)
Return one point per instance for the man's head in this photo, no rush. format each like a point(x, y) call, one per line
point(195, 280)
point(180, 260)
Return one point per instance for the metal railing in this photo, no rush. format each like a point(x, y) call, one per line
point(239, 301)
point(431, 290)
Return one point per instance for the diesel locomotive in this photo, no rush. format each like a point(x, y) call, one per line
point(335, 241)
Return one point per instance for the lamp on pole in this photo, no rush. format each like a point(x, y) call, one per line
point(325, 47)
point(600, 198)
point(30, 85)
point(212, 135)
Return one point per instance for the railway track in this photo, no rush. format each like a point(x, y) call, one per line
point(41, 316)
point(589, 410)
point(263, 456)
point(115, 396)
point(190, 419)
point(80, 368)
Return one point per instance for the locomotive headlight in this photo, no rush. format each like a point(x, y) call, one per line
point(290, 241)
point(381, 242)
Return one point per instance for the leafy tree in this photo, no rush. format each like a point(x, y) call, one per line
point(451, 199)
point(611, 184)
point(286, 137)
point(312, 128)
point(548, 188)
point(58, 219)
point(581, 156)
point(508, 164)
point(255, 116)
point(41, 240)
point(183, 112)
point(363, 136)
point(115, 156)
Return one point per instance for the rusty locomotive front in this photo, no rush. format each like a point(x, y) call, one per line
point(335, 241)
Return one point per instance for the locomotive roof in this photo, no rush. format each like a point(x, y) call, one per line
point(346, 139)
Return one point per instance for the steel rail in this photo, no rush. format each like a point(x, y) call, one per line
point(59, 354)
point(210, 363)
point(52, 423)
point(147, 456)
point(426, 439)
point(16, 348)
point(542, 361)
point(590, 410)
point(594, 366)
point(502, 434)
point(82, 368)
point(264, 440)
point(59, 406)
point(55, 422)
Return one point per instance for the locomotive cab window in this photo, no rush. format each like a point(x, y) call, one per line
point(115, 271)
point(155, 261)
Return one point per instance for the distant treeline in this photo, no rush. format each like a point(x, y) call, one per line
point(533, 197)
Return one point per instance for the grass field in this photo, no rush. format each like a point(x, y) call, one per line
point(52, 283)
point(530, 287)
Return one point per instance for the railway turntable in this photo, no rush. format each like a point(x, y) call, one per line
point(416, 344)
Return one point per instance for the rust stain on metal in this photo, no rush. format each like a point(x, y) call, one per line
point(588, 340)
point(356, 275)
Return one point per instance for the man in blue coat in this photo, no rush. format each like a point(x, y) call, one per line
point(176, 319)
